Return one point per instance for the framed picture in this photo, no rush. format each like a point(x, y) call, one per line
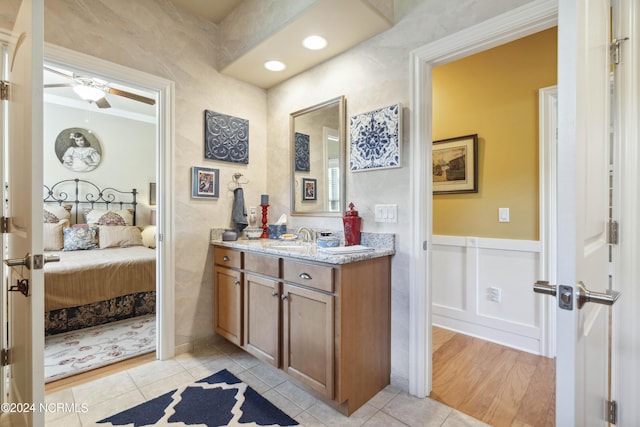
point(376, 140)
point(152, 194)
point(204, 182)
point(78, 149)
point(226, 137)
point(309, 189)
point(455, 165)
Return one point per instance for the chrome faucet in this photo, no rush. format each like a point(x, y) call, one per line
point(308, 235)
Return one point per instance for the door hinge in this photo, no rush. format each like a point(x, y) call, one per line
point(612, 237)
point(4, 90)
point(612, 411)
point(5, 357)
point(614, 49)
point(4, 225)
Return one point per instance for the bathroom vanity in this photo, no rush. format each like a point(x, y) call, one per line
point(323, 319)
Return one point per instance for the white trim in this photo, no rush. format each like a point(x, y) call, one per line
point(522, 21)
point(165, 295)
point(548, 130)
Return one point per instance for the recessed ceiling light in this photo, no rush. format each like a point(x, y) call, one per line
point(315, 42)
point(274, 65)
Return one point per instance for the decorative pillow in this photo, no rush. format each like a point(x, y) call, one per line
point(80, 238)
point(102, 217)
point(52, 237)
point(56, 213)
point(118, 236)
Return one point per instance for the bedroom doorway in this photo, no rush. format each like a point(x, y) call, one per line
point(123, 145)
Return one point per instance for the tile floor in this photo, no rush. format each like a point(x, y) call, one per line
point(109, 395)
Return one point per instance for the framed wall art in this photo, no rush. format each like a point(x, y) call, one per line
point(78, 149)
point(226, 137)
point(301, 148)
point(309, 189)
point(204, 182)
point(376, 139)
point(455, 165)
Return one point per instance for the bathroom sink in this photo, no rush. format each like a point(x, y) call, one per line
point(294, 246)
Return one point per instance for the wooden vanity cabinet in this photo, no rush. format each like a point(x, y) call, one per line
point(262, 302)
point(328, 326)
point(227, 294)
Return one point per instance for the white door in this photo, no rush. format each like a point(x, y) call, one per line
point(23, 176)
point(583, 212)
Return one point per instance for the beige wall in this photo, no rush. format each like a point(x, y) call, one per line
point(495, 94)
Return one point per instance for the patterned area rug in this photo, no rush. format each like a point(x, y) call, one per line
point(218, 400)
point(79, 351)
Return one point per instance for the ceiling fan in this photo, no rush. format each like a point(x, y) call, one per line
point(93, 89)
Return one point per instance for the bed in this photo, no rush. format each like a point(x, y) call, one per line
point(105, 272)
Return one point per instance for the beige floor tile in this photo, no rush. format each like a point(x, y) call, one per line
point(331, 417)
point(68, 420)
point(270, 375)
point(380, 419)
point(307, 420)
point(284, 404)
point(154, 371)
point(417, 412)
point(253, 382)
point(296, 395)
point(245, 360)
point(213, 366)
point(103, 389)
point(59, 397)
point(384, 396)
point(159, 388)
point(110, 407)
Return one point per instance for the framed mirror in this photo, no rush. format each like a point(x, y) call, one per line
point(318, 151)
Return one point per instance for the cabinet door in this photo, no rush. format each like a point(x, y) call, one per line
point(227, 310)
point(262, 318)
point(308, 337)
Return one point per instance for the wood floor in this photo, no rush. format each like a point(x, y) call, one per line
point(496, 384)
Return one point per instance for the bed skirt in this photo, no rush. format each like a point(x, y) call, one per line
point(98, 313)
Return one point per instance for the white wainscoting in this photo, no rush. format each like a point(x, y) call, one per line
point(463, 270)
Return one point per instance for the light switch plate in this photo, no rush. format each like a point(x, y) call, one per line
point(503, 215)
point(386, 213)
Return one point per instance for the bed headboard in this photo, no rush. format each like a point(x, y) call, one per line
point(84, 194)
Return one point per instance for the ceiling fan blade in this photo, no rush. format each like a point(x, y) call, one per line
point(133, 96)
point(103, 103)
point(60, 73)
point(59, 85)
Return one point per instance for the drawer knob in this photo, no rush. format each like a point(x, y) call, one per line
point(274, 294)
point(226, 258)
point(237, 283)
point(306, 276)
point(283, 297)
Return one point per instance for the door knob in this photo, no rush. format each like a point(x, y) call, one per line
point(609, 297)
point(15, 262)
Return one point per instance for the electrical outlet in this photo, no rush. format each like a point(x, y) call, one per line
point(495, 294)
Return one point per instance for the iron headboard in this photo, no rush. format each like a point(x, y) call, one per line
point(81, 193)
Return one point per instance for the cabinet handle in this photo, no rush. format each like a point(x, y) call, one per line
point(305, 276)
point(274, 294)
point(226, 258)
point(283, 297)
point(237, 283)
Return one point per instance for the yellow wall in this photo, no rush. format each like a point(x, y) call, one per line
point(495, 94)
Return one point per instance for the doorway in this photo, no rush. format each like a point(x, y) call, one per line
point(510, 26)
point(163, 92)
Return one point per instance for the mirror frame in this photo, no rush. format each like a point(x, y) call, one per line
point(342, 132)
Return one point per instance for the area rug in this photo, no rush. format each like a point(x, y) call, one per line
point(219, 400)
point(71, 353)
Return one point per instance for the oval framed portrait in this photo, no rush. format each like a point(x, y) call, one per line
point(78, 149)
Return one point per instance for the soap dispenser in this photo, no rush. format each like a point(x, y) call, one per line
point(352, 223)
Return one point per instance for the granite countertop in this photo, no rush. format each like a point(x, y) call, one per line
point(382, 244)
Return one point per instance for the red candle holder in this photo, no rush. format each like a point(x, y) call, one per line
point(265, 233)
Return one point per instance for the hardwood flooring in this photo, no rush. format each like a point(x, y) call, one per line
point(493, 383)
point(94, 374)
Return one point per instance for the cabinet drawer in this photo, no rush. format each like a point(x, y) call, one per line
point(311, 275)
point(227, 257)
point(262, 264)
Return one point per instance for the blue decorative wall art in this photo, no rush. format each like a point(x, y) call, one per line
point(226, 138)
point(376, 139)
point(301, 147)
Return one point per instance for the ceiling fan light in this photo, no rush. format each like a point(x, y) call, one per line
point(274, 65)
point(314, 42)
point(88, 93)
